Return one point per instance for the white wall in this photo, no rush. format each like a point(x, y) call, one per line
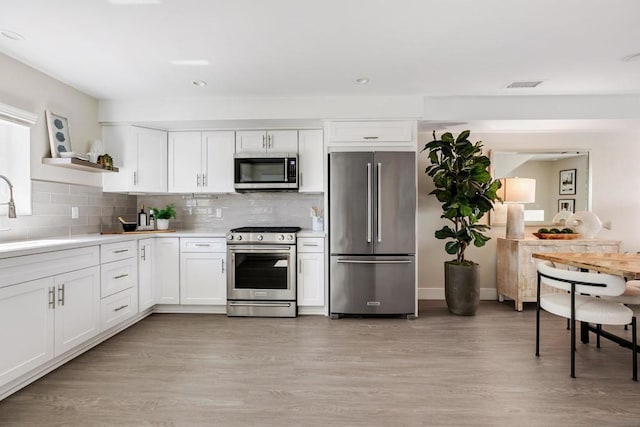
point(614, 198)
point(28, 89)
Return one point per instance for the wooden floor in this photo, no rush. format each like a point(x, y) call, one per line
point(439, 369)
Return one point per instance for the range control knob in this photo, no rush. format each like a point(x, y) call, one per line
point(281, 237)
point(290, 237)
point(229, 236)
point(239, 237)
point(260, 237)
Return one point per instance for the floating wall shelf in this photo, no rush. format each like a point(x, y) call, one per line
point(78, 164)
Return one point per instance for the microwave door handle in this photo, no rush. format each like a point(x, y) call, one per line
point(286, 173)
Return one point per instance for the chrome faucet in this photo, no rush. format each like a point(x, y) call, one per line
point(11, 203)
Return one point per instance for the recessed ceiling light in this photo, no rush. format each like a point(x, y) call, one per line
point(126, 2)
point(12, 35)
point(524, 84)
point(190, 62)
point(631, 58)
point(199, 82)
point(361, 80)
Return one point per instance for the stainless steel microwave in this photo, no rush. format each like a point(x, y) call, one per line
point(265, 172)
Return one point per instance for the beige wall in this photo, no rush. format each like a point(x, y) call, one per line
point(28, 89)
point(614, 198)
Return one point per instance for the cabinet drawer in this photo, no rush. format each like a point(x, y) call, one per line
point(118, 308)
point(375, 131)
point(310, 244)
point(117, 251)
point(118, 276)
point(203, 244)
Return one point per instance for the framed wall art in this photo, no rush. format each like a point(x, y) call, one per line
point(59, 138)
point(568, 205)
point(568, 181)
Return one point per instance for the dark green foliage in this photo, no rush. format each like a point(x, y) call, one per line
point(465, 188)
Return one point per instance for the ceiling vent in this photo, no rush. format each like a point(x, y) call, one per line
point(524, 85)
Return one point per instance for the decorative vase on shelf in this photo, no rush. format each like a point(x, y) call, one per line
point(162, 224)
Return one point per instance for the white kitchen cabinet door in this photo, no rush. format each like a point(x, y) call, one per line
point(146, 274)
point(311, 279)
point(185, 162)
point(203, 278)
point(311, 161)
point(251, 141)
point(141, 157)
point(77, 312)
point(282, 141)
point(371, 131)
point(167, 270)
point(217, 163)
point(27, 334)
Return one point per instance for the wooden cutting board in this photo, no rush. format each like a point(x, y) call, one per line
point(138, 232)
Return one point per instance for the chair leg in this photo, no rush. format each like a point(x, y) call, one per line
point(568, 324)
point(598, 332)
point(573, 331)
point(538, 318)
point(633, 349)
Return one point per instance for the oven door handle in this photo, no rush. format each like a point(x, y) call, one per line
point(259, 304)
point(259, 249)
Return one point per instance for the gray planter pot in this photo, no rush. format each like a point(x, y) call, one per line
point(462, 288)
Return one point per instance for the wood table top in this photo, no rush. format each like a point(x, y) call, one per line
point(626, 265)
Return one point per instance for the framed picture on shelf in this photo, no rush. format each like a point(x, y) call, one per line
point(59, 139)
point(567, 205)
point(568, 181)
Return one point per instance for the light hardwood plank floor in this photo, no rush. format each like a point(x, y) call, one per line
point(440, 369)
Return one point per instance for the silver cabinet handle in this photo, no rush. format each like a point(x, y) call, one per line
point(121, 307)
point(203, 244)
point(309, 244)
point(222, 269)
point(354, 261)
point(369, 207)
point(270, 139)
point(197, 180)
point(300, 268)
point(121, 276)
point(379, 203)
point(52, 297)
point(204, 180)
point(135, 178)
point(264, 141)
point(119, 251)
point(301, 175)
point(370, 137)
point(61, 295)
point(143, 253)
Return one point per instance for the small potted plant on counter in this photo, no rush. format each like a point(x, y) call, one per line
point(163, 216)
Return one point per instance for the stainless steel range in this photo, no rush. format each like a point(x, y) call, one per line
point(261, 279)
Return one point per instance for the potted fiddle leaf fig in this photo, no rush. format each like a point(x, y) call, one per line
point(464, 187)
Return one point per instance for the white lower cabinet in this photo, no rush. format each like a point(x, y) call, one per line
point(167, 270)
point(146, 273)
point(118, 307)
point(203, 271)
point(310, 271)
point(118, 283)
point(77, 309)
point(27, 330)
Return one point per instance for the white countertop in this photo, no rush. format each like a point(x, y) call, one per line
point(30, 247)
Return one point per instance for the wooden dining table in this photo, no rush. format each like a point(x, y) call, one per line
point(626, 265)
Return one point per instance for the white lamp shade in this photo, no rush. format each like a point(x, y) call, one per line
point(518, 190)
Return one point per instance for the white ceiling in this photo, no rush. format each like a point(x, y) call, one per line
point(318, 48)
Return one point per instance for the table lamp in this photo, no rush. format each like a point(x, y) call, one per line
point(515, 192)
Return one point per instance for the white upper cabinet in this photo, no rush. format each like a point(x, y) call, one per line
point(371, 131)
point(273, 141)
point(201, 162)
point(141, 156)
point(311, 161)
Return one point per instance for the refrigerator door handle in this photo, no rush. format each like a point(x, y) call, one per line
point(379, 203)
point(369, 206)
point(359, 261)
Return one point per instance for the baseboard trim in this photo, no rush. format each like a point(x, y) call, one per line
point(187, 309)
point(438, 293)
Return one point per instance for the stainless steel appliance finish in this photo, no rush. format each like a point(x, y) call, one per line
point(267, 172)
point(261, 280)
point(372, 208)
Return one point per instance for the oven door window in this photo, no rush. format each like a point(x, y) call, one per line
point(261, 271)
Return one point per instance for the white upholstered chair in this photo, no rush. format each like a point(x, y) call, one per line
point(581, 303)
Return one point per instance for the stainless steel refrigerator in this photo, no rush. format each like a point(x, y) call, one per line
point(372, 233)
